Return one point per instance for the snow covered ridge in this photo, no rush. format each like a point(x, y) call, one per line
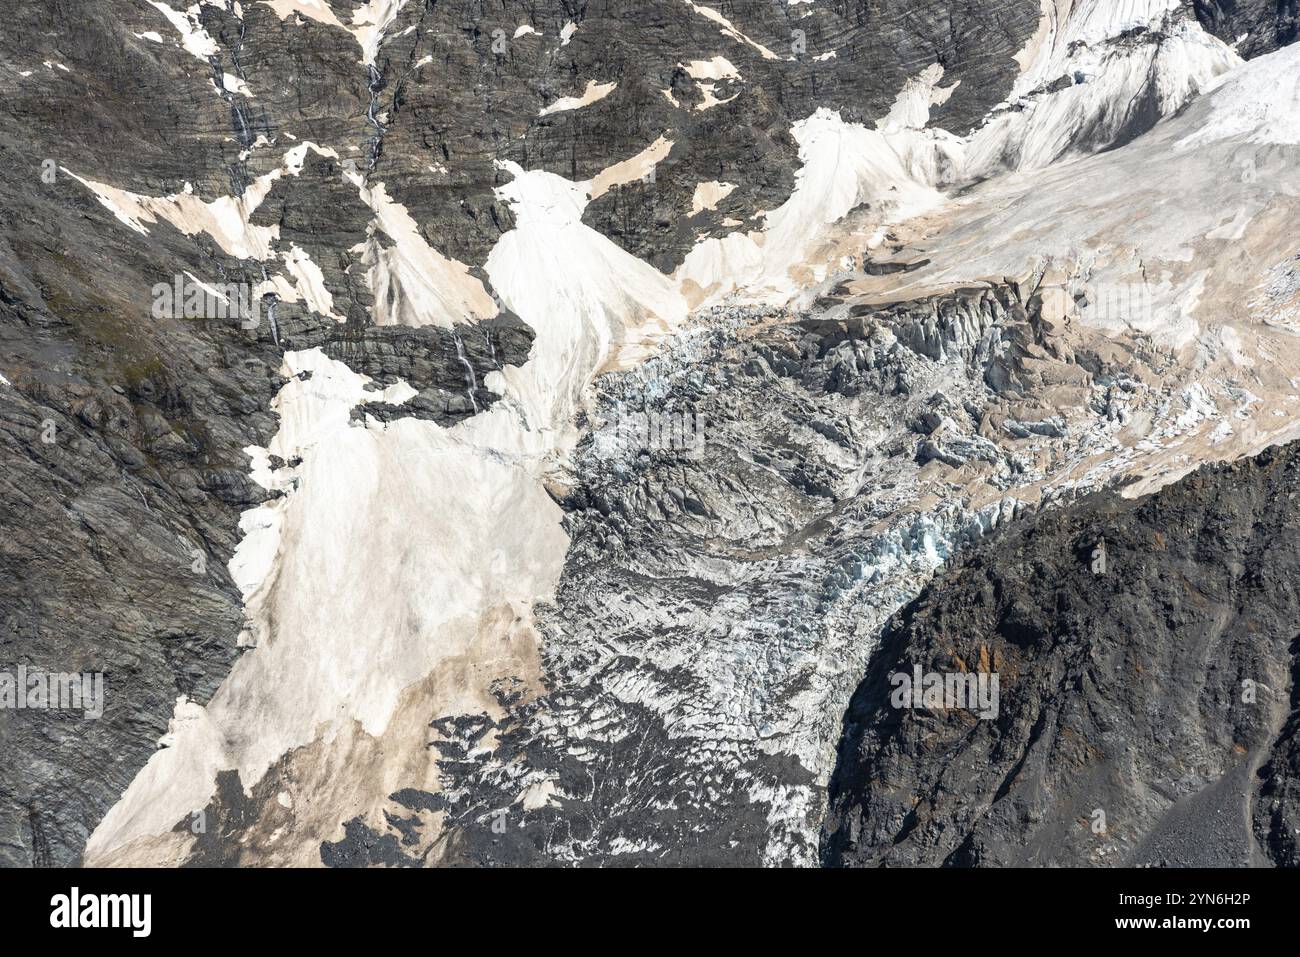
point(1260, 103)
point(1085, 76)
point(1170, 241)
point(901, 168)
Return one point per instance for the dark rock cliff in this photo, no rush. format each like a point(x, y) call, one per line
point(1261, 25)
point(1147, 716)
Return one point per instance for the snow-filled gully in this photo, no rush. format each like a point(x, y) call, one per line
point(403, 552)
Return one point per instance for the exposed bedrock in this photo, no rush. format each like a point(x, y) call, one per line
point(1261, 26)
point(1147, 713)
point(122, 435)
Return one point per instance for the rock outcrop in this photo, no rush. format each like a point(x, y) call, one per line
point(1148, 708)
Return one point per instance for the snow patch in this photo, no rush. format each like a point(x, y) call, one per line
point(629, 170)
point(413, 283)
point(710, 99)
point(309, 282)
point(225, 219)
point(595, 91)
point(708, 195)
point(194, 39)
point(317, 10)
point(719, 68)
point(729, 30)
point(369, 23)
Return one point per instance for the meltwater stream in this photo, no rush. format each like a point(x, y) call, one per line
point(471, 382)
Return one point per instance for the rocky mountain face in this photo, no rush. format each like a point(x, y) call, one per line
point(1158, 688)
point(124, 434)
point(603, 378)
point(1261, 26)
